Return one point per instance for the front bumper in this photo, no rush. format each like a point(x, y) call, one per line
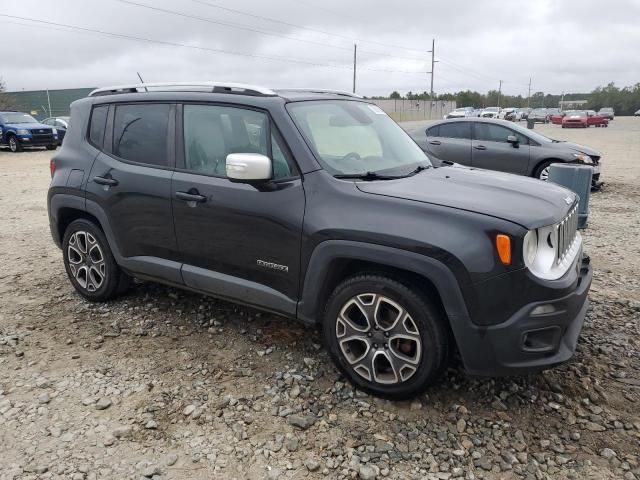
point(37, 140)
point(539, 335)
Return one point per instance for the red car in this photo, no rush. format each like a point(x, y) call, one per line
point(583, 119)
point(556, 119)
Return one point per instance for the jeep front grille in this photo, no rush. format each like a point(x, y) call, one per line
point(567, 229)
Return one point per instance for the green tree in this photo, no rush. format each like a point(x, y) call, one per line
point(6, 101)
point(395, 95)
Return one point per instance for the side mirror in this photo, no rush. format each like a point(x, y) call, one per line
point(248, 167)
point(513, 140)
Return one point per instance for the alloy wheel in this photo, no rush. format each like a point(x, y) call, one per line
point(379, 339)
point(86, 261)
point(13, 144)
point(544, 174)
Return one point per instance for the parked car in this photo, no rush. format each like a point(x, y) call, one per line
point(596, 119)
point(503, 146)
point(539, 115)
point(490, 112)
point(19, 130)
point(636, 113)
point(607, 112)
point(316, 205)
point(556, 118)
point(525, 112)
point(461, 112)
point(60, 123)
point(575, 119)
point(511, 114)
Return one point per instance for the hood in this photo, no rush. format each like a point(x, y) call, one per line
point(574, 147)
point(528, 202)
point(28, 126)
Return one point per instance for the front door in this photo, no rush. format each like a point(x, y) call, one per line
point(131, 177)
point(491, 150)
point(237, 240)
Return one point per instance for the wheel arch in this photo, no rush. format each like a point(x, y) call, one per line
point(538, 164)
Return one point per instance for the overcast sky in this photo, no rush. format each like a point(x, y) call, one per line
point(568, 45)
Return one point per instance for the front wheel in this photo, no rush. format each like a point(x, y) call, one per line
point(89, 263)
point(385, 337)
point(542, 172)
point(14, 144)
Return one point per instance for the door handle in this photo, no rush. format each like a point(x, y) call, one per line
point(191, 197)
point(435, 142)
point(108, 181)
point(479, 147)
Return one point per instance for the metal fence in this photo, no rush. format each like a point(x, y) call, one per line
point(405, 110)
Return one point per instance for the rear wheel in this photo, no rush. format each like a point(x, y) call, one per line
point(14, 144)
point(89, 263)
point(385, 337)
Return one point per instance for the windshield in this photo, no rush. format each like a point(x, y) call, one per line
point(577, 114)
point(492, 109)
point(18, 118)
point(356, 138)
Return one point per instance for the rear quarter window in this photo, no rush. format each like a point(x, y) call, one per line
point(97, 125)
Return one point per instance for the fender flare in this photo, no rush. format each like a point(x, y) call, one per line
point(319, 264)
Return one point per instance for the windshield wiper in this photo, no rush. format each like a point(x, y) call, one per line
point(418, 169)
point(365, 176)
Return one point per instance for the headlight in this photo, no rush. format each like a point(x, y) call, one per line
point(530, 248)
point(22, 131)
point(582, 157)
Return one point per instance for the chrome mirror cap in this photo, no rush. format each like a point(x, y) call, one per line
point(248, 167)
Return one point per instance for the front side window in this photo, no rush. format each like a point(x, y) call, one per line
point(460, 130)
point(212, 132)
point(492, 133)
point(353, 138)
point(140, 133)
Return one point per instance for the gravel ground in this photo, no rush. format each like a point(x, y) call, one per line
point(166, 384)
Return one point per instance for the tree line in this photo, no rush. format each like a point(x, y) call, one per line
point(625, 101)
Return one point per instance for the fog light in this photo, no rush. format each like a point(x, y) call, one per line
point(543, 309)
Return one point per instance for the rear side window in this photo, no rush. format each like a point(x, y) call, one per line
point(456, 130)
point(98, 124)
point(434, 131)
point(140, 133)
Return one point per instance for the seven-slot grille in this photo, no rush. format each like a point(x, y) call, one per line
point(567, 229)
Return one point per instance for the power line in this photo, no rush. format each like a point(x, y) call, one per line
point(255, 30)
point(207, 49)
point(324, 32)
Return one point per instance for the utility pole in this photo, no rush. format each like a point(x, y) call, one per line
point(529, 96)
point(433, 62)
point(355, 55)
point(499, 93)
point(49, 102)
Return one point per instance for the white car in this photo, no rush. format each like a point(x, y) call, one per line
point(490, 112)
point(461, 112)
point(511, 113)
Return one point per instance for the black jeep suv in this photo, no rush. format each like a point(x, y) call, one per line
point(316, 205)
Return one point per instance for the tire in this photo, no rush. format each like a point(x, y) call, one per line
point(14, 144)
point(89, 263)
point(542, 171)
point(52, 147)
point(418, 353)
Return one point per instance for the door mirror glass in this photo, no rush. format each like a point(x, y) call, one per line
point(248, 167)
point(512, 139)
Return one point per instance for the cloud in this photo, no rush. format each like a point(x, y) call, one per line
point(564, 46)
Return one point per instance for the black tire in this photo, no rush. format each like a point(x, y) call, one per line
point(52, 147)
point(421, 320)
point(540, 168)
point(84, 270)
point(14, 144)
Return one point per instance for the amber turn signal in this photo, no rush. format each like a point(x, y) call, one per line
point(503, 245)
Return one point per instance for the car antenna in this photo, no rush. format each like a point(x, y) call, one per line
point(142, 81)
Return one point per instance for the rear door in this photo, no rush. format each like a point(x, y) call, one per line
point(131, 177)
point(492, 151)
point(450, 141)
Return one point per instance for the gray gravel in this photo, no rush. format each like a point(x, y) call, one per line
point(166, 384)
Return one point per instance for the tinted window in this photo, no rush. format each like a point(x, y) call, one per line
point(456, 130)
point(490, 132)
point(140, 133)
point(98, 124)
point(212, 132)
point(433, 131)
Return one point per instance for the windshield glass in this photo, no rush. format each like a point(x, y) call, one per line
point(353, 138)
point(18, 118)
point(492, 109)
point(577, 114)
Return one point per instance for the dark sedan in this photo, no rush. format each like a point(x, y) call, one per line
point(60, 123)
point(503, 146)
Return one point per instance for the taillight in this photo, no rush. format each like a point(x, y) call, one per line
point(52, 167)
